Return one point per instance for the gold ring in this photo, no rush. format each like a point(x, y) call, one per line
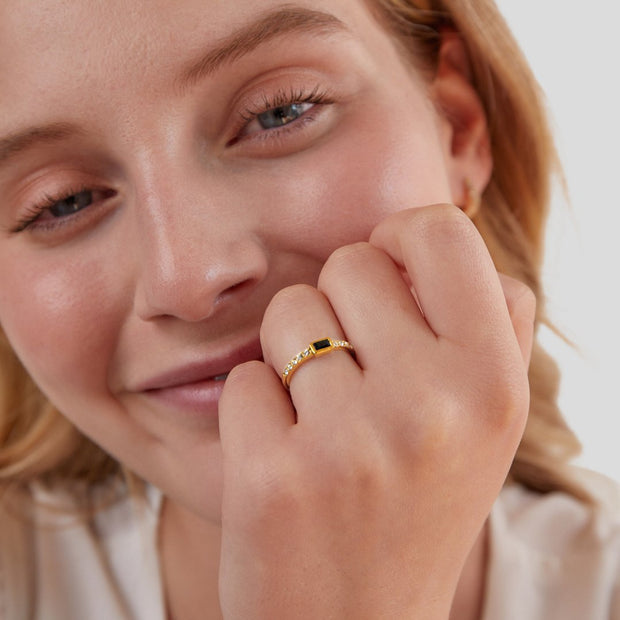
point(316, 349)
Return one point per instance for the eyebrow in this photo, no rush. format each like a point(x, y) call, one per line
point(285, 20)
point(46, 134)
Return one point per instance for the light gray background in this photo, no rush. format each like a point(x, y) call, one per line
point(575, 54)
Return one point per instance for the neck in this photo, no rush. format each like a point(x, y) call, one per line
point(190, 557)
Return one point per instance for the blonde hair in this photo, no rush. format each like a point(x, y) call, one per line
point(515, 204)
point(36, 442)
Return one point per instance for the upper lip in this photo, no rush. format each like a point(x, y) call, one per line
point(201, 370)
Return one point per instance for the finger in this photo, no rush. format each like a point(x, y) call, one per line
point(521, 303)
point(451, 271)
point(253, 410)
point(375, 306)
point(296, 317)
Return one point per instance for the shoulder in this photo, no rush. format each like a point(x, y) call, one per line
point(16, 560)
point(552, 556)
point(558, 523)
point(105, 560)
point(558, 526)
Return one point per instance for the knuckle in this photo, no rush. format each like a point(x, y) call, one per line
point(445, 224)
point(240, 379)
point(434, 429)
point(287, 301)
point(507, 402)
point(352, 464)
point(346, 259)
point(243, 373)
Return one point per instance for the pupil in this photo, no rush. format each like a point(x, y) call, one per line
point(72, 204)
point(280, 116)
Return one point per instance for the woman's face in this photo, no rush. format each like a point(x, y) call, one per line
point(165, 168)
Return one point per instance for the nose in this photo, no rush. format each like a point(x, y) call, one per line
point(198, 252)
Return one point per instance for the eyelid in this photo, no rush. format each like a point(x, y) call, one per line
point(252, 106)
point(282, 97)
point(30, 220)
point(282, 100)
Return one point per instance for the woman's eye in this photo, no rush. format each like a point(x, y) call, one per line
point(280, 110)
point(56, 210)
point(275, 115)
point(282, 115)
point(71, 204)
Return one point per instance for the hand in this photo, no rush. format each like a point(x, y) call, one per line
point(360, 493)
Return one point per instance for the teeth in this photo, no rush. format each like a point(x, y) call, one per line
point(220, 377)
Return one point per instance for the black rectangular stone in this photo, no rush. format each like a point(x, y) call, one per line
point(321, 344)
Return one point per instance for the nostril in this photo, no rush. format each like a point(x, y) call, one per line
point(192, 282)
point(236, 290)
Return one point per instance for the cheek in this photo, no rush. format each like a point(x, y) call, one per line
point(60, 323)
point(337, 194)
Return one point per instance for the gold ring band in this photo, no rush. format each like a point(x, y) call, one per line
point(315, 349)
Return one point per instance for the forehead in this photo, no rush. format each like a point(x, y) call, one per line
point(73, 58)
point(46, 42)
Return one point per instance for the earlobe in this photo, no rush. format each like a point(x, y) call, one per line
point(471, 205)
point(466, 137)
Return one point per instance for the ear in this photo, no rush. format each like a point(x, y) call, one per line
point(466, 142)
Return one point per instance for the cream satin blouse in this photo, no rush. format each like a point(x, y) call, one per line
point(551, 558)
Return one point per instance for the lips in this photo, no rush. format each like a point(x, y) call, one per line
point(209, 369)
point(196, 387)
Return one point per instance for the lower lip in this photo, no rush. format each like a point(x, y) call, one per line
point(200, 398)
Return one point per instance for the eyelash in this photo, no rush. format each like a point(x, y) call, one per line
point(34, 212)
point(280, 99)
